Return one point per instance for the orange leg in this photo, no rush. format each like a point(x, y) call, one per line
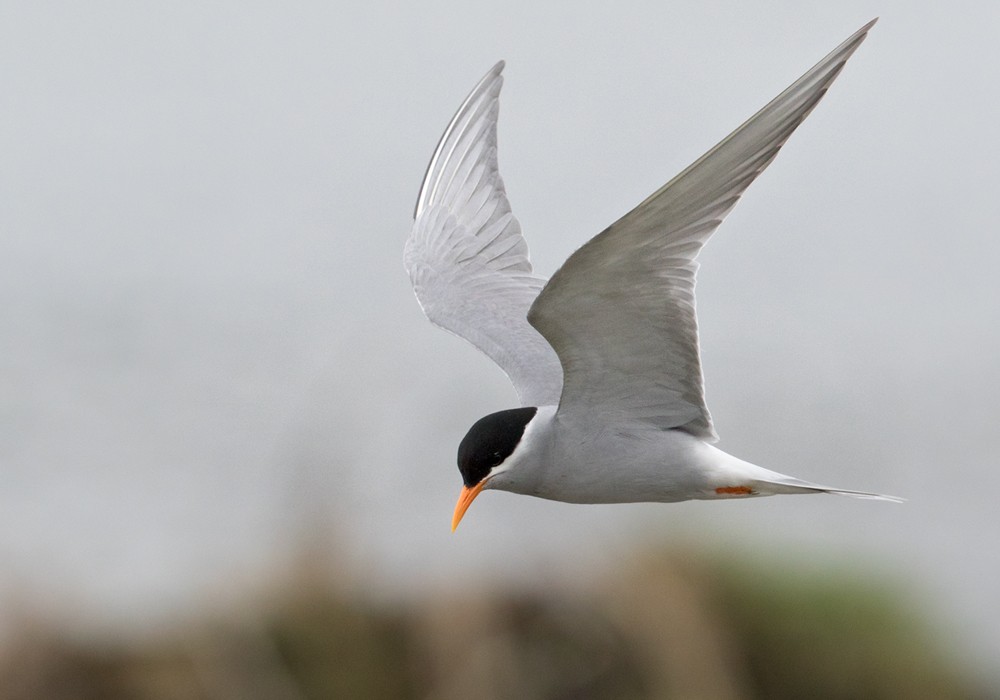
point(734, 490)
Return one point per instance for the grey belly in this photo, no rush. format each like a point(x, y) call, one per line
point(651, 466)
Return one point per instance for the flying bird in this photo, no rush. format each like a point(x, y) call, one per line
point(604, 355)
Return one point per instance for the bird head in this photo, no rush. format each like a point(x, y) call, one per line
point(485, 451)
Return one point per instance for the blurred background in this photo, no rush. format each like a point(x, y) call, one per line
point(227, 433)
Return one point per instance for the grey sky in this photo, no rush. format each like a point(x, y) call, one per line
point(207, 333)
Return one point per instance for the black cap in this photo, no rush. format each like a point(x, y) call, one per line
point(490, 441)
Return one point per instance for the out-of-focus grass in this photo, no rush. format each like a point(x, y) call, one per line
point(669, 625)
point(780, 630)
point(828, 635)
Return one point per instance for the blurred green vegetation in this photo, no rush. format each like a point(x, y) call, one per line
point(671, 624)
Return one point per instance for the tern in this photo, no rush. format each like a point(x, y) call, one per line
point(604, 355)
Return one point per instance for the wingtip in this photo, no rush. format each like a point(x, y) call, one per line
point(863, 32)
point(854, 40)
point(493, 76)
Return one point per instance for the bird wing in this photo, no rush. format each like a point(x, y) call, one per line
point(620, 312)
point(466, 257)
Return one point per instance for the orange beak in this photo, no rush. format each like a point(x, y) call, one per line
point(465, 500)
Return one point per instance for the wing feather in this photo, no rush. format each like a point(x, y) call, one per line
point(620, 313)
point(466, 257)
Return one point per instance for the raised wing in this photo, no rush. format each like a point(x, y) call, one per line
point(466, 257)
point(620, 312)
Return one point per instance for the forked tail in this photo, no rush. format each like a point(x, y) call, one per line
point(735, 477)
point(789, 484)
